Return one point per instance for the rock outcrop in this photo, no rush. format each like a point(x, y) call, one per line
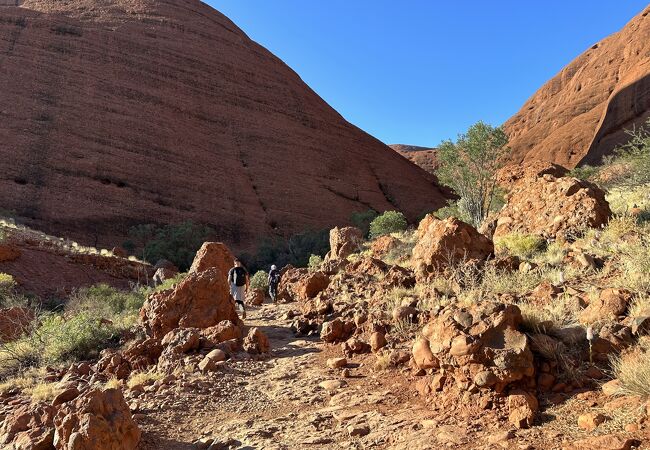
point(422, 156)
point(581, 114)
point(442, 243)
point(552, 207)
point(201, 300)
point(480, 346)
point(116, 83)
point(344, 242)
point(213, 255)
point(96, 419)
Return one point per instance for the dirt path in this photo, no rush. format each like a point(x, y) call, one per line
point(276, 402)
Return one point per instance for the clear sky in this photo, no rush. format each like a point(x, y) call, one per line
point(420, 71)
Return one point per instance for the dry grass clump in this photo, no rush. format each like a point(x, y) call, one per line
point(28, 379)
point(383, 361)
point(553, 255)
point(549, 318)
point(522, 245)
point(113, 383)
point(633, 370)
point(143, 378)
point(43, 392)
point(640, 305)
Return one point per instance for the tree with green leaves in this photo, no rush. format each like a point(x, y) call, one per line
point(632, 160)
point(470, 165)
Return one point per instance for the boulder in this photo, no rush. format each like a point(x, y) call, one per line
point(384, 245)
point(176, 344)
point(256, 341)
point(522, 408)
point(344, 241)
point(14, 322)
point(590, 421)
point(213, 255)
point(377, 341)
point(336, 330)
point(482, 338)
point(201, 300)
point(337, 363)
point(446, 242)
point(97, 419)
point(552, 207)
point(255, 297)
point(311, 284)
point(609, 304)
point(112, 362)
point(221, 332)
point(9, 253)
point(209, 362)
point(28, 427)
point(143, 353)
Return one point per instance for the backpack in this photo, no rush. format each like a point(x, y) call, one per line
point(239, 276)
point(275, 277)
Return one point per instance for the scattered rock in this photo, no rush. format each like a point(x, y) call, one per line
point(336, 363)
point(256, 342)
point(590, 421)
point(605, 442)
point(377, 341)
point(522, 407)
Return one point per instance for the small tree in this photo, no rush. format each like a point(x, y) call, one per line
point(469, 166)
point(315, 262)
point(260, 280)
point(388, 222)
point(632, 160)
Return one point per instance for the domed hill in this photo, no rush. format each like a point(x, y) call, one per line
point(120, 112)
point(582, 113)
point(422, 156)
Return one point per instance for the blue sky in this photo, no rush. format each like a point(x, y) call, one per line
point(418, 71)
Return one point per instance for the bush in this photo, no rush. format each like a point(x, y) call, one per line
point(633, 370)
point(630, 165)
point(176, 243)
point(362, 220)
point(315, 262)
point(386, 223)
point(260, 281)
point(523, 245)
point(104, 301)
point(453, 209)
point(295, 250)
point(470, 165)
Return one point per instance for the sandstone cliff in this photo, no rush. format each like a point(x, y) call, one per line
point(582, 113)
point(120, 112)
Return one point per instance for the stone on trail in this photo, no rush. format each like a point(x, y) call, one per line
point(336, 363)
point(332, 385)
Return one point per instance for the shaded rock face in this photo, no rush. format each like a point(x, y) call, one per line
point(552, 207)
point(481, 346)
point(581, 113)
point(96, 419)
point(444, 242)
point(29, 427)
point(159, 112)
point(201, 300)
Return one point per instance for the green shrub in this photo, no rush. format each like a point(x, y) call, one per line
point(453, 209)
point(315, 262)
point(363, 219)
point(524, 245)
point(177, 243)
point(83, 336)
point(260, 281)
point(104, 301)
point(586, 173)
point(167, 284)
point(388, 222)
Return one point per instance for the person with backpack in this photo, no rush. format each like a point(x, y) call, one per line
point(238, 279)
point(274, 281)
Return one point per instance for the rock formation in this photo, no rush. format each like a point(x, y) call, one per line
point(581, 114)
point(422, 156)
point(122, 113)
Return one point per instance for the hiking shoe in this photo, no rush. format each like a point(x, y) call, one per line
point(243, 313)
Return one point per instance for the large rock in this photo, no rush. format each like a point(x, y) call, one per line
point(344, 242)
point(301, 284)
point(201, 300)
point(552, 207)
point(582, 113)
point(480, 345)
point(221, 332)
point(14, 322)
point(445, 242)
point(213, 255)
point(97, 419)
point(261, 153)
point(522, 408)
point(28, 427)
point(384, 245)
point(256, 342)
point(609, 304)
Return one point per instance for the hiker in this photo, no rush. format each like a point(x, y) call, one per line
point(238, 279)
point(274, 281)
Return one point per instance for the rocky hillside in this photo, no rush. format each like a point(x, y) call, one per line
point(581, 114)
point(117, 113)
point(422, 156)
